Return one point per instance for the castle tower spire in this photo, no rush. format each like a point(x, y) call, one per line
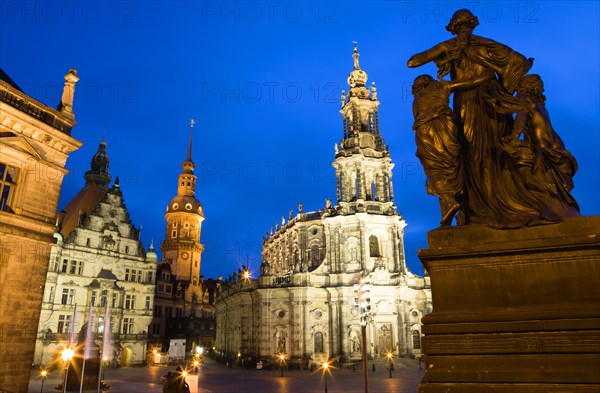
point(362, 161)
point(188, 165)
point(98, 172)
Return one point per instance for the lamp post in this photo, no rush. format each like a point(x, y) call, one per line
point(281, 362)
point(325, 371)
point(390, 357)
point(67, 355)
point(43, 375)
point(363, 304)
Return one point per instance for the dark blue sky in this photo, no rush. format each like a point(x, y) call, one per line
point(263, 81)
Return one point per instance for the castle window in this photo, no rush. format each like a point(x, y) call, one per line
point(80, 268)
point(54, 266)
point(374, 246)
point(104, 298)
point(65, 265)
point(129, 302)
point(68, 296)
point(115, 299)
point(94, 296)
point(8, 178)
point(127, 326)
point(87, 242)
point(72, 267)
point(416, 339)
point(147, 306)
point(318, 342)
point(64, 324)
point(126, 249)
point(173, 234)
point(188, 206)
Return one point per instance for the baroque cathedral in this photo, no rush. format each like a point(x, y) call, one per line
point(303, 304)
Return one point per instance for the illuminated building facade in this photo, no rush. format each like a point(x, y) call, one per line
point(35, 142)
point(98, 261)
point(303, 303)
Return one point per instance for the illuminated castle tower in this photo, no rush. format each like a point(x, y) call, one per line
point(183, 300)
point(182, 248)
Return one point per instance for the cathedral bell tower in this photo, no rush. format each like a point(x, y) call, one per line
point(362, 163)
point(182, 248)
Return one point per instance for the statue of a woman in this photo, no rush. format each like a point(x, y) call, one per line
point(494, 192)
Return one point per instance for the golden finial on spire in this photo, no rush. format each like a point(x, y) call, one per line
point(355, 55)
point(192, 122)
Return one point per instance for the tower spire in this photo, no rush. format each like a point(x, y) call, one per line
point(355, 56)
point(357, 77)
point(189, 156)
point(358, 178)
point(98, 172)
point(188, 165)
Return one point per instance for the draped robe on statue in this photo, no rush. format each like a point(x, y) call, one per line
point(494, 193)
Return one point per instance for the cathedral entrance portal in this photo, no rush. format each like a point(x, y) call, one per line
point(385, 338)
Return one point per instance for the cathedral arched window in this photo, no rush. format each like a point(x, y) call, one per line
point(374, 246)
point(318, 342)
point(314, 255)
point(416, 339)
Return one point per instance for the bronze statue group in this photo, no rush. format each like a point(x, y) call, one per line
point(494, 158)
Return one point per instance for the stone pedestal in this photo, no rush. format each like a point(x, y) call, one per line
point(90, 373)
point(513, 310)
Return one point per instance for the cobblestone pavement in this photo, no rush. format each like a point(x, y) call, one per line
point(216, 378)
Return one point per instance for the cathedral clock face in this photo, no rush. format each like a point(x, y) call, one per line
point(185, 255)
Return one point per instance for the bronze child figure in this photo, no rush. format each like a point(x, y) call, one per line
point(438, 145)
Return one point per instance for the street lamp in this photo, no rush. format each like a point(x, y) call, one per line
point(67, 355)
point(325, 367)
point(281, 362)
point(390, 357)
point(43, 375)
point(363, 304)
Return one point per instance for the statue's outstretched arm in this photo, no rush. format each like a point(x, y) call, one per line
point(429, 55)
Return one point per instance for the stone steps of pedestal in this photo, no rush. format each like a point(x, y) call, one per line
point(382, 364)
